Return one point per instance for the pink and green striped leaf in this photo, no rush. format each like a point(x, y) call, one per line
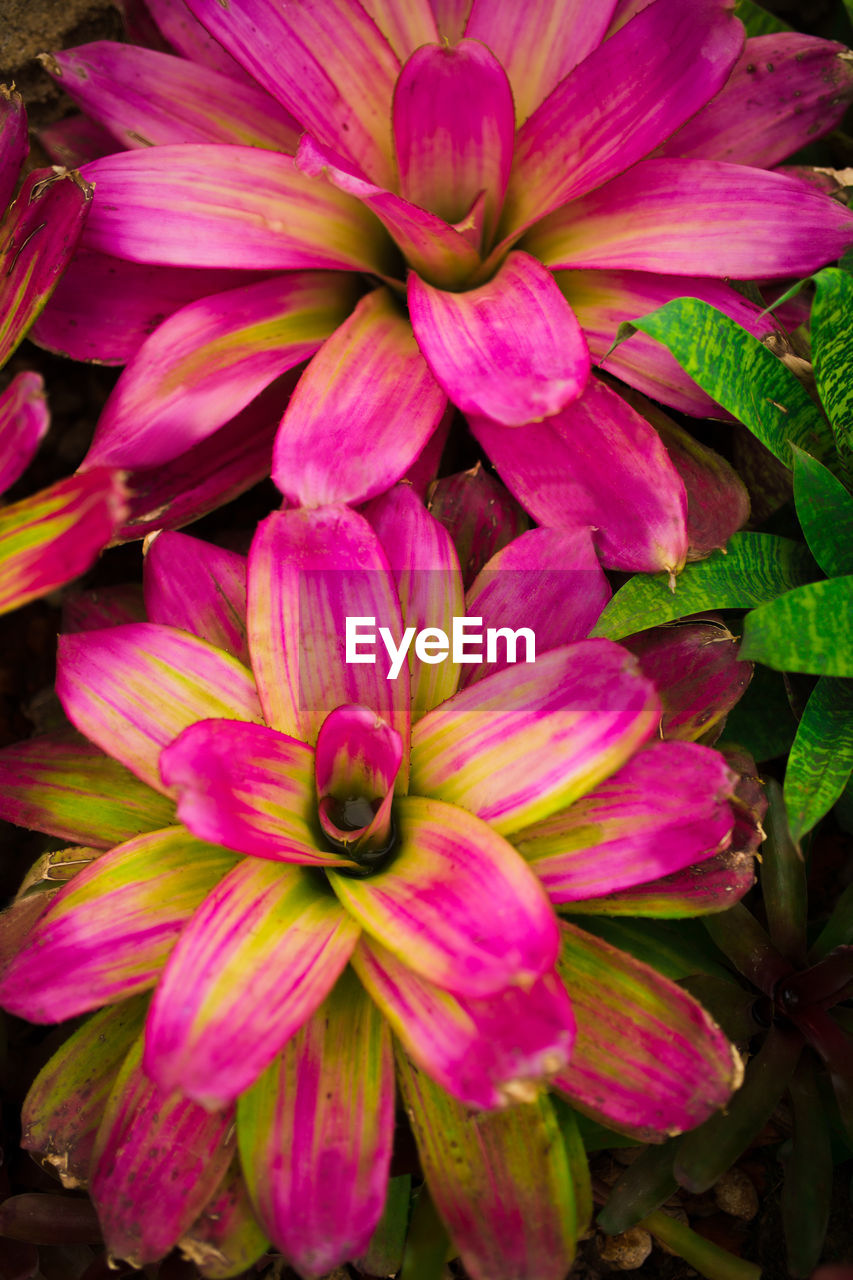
point(598, 463)
point(208, 361)
point(37, 237)
point(133, 689)
point(677, 215)
point(226, 1239)
point(539, 43)
point(666, 809)
point(154, 1149)
point(64, 1105)
point(249, 788)
point(308, 571)
point(426, 572)
point(404, 26)
point(147, 98)
point(24, 419)
point(549, 580)
point(510, 350)
point(490, 1052)
point(785, 90)
point(54, 536)
point(356, 763)
point(707, 887)
point(648, 1060)
point(330, 66)
point(367, 398)
point(316, 1132)
point(199, 587)
point(260, 954)
point(501, 1182)
point(531, 739)
point(61, 784)
point(453, 122)
point(457, 904)
point(598, 121)
point(200, 205)
point(109, 931)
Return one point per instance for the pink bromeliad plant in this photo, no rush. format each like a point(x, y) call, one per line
point(314, 866)
point(439, 204)
point(51, 537)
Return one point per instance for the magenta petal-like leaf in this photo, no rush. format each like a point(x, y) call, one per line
point(599, 120)
point(697, 672)
point(454, 122)
point(308, 572)
point(206, 362)
point(109, 931)
point(532, 738)
point(247, 787)
point(666, 809)
point(14, 143)
point(111, 606)
point(356, 763)
point(429, 244)
point(104, 308)
point(146, 98)
point(602, 300)
point(211, 472)
point(510, 350)
point(37, 237)
point(62, 784)
point(426, 571)
point(75, 140)
point(490, 1052)
point(601, 464)
point(133, 689)
point(329, 65)
point(198, 587)
point(456, 904)
point(316, 1133)
point(539, 42)
point(648, 1059)
point(261, 953)
point(226, 206)
point(785, 90)
point(54, 536)
point(480, 515)
point(549, 580)
point(686, 216)
point(154, 1149)
point(367, 399)
point(705, 888)
point(24, 419)
point(177, 28)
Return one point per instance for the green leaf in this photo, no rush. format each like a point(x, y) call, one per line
point(783, 881)
point(427, 1242)
point(676, 948)
point(821, 759)
point(384, 1254)
point(838, 930)
point(807, 1190)
point(741, 374)
point(807, 629)
point(825, 511)
point(763, 722)
point(832, 352)
point(758, 21)
point(755, 568)
point(645, 1185)
point(703, 1255)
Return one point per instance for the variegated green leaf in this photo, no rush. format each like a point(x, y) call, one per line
point(832, 348)
point(756, 567)
point(741, 374)
point(825, 510)
point(807, 629)
point(758, 21)
point(821, 759)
